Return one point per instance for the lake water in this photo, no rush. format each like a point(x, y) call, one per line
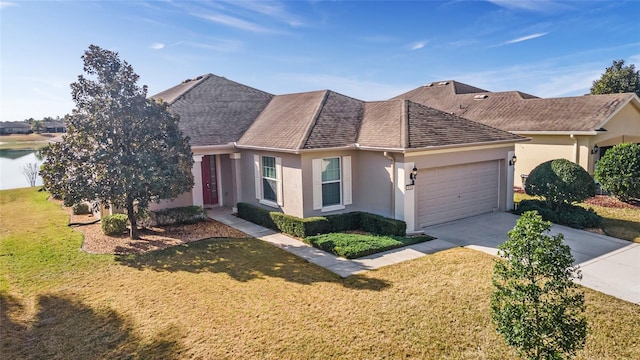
point(11, 164)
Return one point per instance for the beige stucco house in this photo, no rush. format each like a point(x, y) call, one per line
point(579, 128)
point(321, 152)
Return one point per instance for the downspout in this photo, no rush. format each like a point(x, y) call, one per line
point(575, 149)
point(393, 183)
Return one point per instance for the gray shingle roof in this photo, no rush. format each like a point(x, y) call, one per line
point(312, 120)
point(217, 111)
point(214, 110)
point(408, 125)
point(517, 111)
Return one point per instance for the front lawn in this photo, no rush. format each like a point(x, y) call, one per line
point(619, 220)
point(25, 141)
point(353, 245)
point(246, 299)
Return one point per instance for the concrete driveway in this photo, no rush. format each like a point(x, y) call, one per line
point(609, 265)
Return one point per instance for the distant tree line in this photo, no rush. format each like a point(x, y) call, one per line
point(39, 125)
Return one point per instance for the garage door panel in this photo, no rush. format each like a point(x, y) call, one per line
point(455, 192)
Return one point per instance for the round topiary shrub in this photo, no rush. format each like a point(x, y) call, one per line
point(560, 182)
point(115, 224)
point(618, 171)
point(80, 209)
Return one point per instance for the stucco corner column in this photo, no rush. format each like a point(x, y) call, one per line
point(196, 192)
point(405, 196)
point(237, 179)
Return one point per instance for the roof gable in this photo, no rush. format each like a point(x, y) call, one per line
point(214, 110)
point(312, 120)
point(404, 124)
point(521, 112)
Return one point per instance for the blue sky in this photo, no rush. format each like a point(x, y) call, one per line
point(371, 50)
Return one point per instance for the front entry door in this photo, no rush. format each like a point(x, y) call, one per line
point(209, 183)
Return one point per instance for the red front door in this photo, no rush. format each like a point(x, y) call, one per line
point(209, 183)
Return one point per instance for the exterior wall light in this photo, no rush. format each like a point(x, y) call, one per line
point(595, 149)
point(414, 175)
point(513, 160)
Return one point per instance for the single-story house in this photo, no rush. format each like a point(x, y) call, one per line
point(579, 129)
point(321, 152)
point(14, 127)
point(54, 127)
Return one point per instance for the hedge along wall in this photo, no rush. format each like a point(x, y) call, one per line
point(302, 228)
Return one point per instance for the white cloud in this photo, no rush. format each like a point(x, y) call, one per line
point(234, 22)
point(544, 79)
point(525, 38)
point(418, 45)
point(6, 4)
point(273, 9)
point(157, 46)
point(531, 5)
point(367, 90)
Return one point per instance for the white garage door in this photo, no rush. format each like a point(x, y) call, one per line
point(455, 192)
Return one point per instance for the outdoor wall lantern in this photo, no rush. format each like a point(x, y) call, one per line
point(414, 175)
point(595, 149)
point(513, 160)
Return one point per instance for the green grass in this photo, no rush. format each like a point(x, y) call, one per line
point(246, 299)
point(352, 246)
point(616, 222)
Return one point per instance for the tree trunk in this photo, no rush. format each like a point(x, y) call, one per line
point(133, 233)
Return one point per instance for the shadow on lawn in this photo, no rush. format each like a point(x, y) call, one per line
point(243, 260)
point(66, 328)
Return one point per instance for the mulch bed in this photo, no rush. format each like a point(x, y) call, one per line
point(612, 202)
point(155, 238)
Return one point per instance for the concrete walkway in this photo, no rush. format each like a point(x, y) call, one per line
point(609, 265)
point(342, 267)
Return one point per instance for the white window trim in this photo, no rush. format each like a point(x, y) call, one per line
point(257, 160)
point(345, 184)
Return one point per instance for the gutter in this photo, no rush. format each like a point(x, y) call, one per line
point(561, 132)
point(294, 151)
point(442, 147)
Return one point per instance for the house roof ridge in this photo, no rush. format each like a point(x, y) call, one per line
point(314, 119)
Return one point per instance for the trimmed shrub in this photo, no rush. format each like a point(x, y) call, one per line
point(301, 228)
point(298, 227)
point(571, 215)
point(256, 215)
point(344, 222)
point(618, 171)
point(353, 246)
point(381, 225)
point(560, 182)
point(80, 209)
point(174, 216)
point(115, 224)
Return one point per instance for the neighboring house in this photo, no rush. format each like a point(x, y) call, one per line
point(320, 153)
point(14, 127)
point(579, 128)
point(54, 127)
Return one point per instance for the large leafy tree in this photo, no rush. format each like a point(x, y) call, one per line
point(618, 78)
point(121, 149)
point(536, 305)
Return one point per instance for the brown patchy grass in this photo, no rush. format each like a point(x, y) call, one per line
point(245, 299)
point(26, 141)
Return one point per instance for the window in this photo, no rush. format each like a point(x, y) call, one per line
point(268, 180)
point(331, 183)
